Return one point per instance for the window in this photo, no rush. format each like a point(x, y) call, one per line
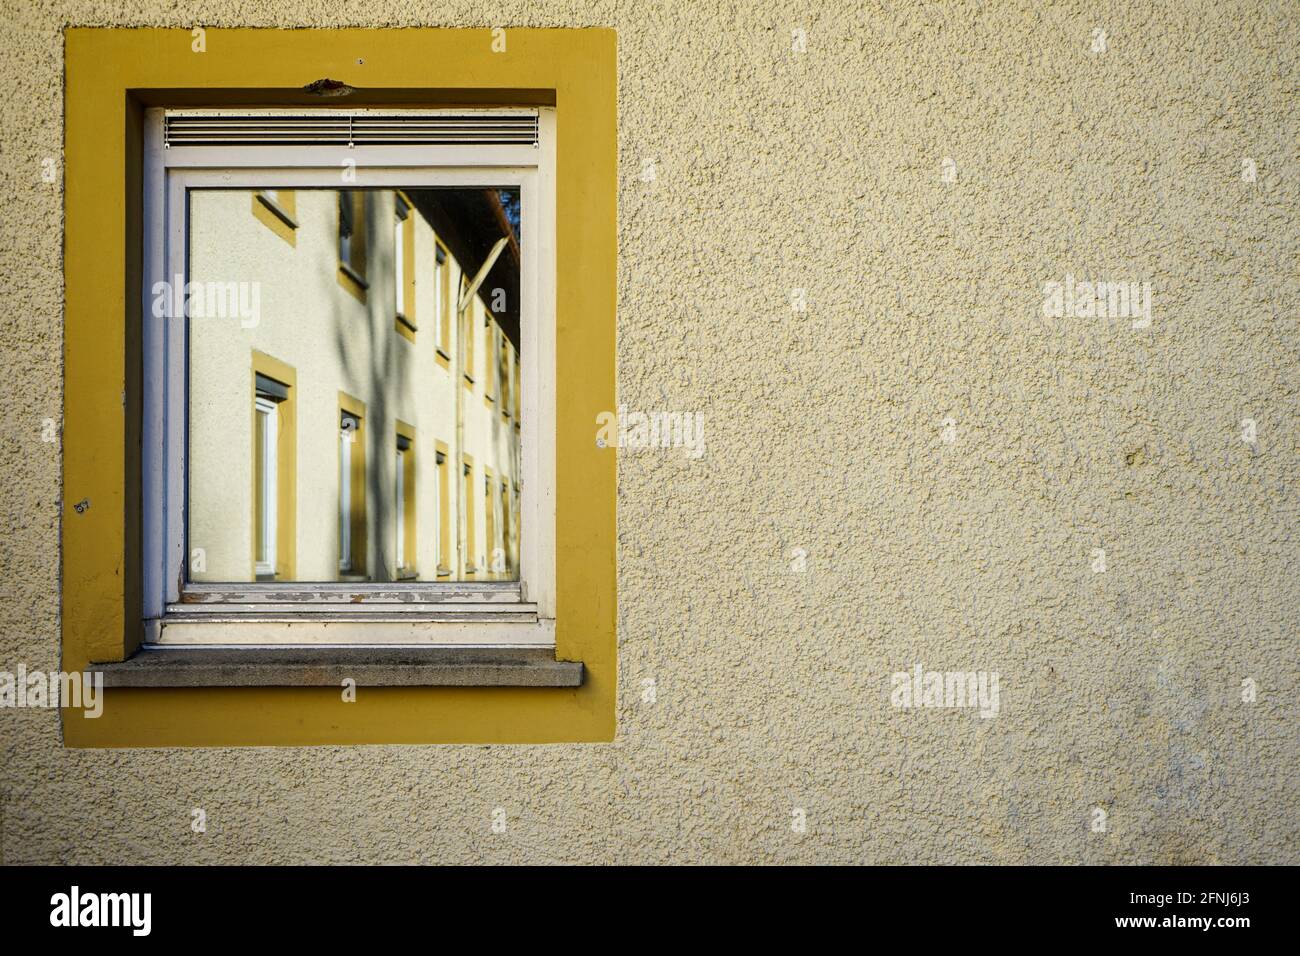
point(273, 478)
point(442, 492)
point(467, 311)
point(514, 391)
point(352, 241)
point(445, 221)
point(404, 266)
point(138, 175)
point(489, 360)
point(352, 489)
point(503, 374)
point(372, 527)
point(264, 495)
point(260, 547)
point(442, 307)
point(348, 428)
point(515, 504)
point(404, 498)
point(507, 541)
point(339, 346)
point(468, 539)
point(399, 500)
point(492, 563)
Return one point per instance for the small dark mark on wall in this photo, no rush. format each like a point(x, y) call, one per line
point(81, 506)
point(327, 87)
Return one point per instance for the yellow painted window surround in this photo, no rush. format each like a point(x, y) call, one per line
point(111, 76)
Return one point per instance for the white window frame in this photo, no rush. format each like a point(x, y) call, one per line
point(269, 490)
point(486, 614)
point(399, 506)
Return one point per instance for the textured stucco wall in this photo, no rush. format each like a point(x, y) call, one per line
point(777, 170)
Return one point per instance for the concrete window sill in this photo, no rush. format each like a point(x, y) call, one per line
point(330, 666)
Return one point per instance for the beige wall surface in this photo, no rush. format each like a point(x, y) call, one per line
point(918, 468)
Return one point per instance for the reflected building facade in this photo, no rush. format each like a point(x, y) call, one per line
point(364, 423)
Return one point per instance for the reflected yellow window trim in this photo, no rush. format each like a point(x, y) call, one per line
point(111, 75)
point(272, 213)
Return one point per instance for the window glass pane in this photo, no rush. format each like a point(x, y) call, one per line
point(345, 225)
point(298, 381)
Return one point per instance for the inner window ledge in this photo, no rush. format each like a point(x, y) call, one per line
point(155, 666)
point(378, 628)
